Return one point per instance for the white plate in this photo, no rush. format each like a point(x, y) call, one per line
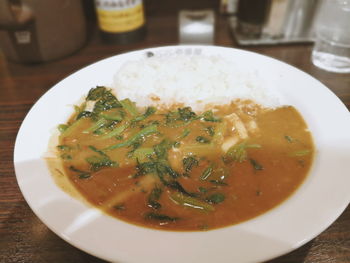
point(316, 204)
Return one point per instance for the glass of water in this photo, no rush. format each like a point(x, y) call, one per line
point(332, 46)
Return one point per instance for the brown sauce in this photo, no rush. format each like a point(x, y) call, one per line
point(275, 152)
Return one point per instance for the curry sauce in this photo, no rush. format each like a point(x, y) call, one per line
point(175, 169)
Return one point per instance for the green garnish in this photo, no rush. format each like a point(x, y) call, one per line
point(81, 174)
point(216, 198)
point(160, 217)
point(191, 202)
point(238, 152)
point(256, 165)
point(289, 138)
point(144, 132)
point(202, 139)
point(189, 163)
point(301, 153)
point(207, 172)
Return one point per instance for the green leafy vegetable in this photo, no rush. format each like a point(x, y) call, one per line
point(289, 138)
point(160, 217)
point(189, 163)
point(62, 127)
point(161, 149)
point(210, 130)
point(216, 198)
point(154, 197)
point(301, 153)
point(116, 132)
point(104, 99)
point(209, 116)
point(149, 111)
point(238, 152)
point(184, 133)
point(207, 172)
point(100, 161)
point(191, 202)
point(81, 174)
point(256, 165)
point(130, 107)
point(202, 139)
point(144, 132)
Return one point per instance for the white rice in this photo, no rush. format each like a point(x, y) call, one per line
point(194, 81)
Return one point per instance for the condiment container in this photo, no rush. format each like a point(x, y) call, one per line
point(41, 30)
point(121, 21)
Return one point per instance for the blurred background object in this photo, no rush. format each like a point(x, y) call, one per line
point(274, 21)
point(41, 30)
point(120, 21)
point(332, 46)
point(196, 27)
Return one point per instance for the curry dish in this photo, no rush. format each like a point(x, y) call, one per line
point(175, 169)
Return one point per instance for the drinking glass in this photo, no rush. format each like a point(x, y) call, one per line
point(331, 51)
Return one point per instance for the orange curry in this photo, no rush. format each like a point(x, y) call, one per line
point(175, 169)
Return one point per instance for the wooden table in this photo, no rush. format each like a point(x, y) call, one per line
point(24, 238)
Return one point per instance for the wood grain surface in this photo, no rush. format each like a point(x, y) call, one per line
point(24, 238)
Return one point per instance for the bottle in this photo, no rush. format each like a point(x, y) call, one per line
point(121, 21)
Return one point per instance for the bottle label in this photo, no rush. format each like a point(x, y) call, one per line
point(118, 16)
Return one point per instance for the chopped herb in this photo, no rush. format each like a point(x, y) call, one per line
point(64, 147)
point(256, 165)
point(93, 148)
point(182, 114)
point(144, 132)
point(119, 207)
point(105, 100)
point(112, 117)
point(189, 163)
point(116, 132)
point(209, 116)
point(161, 149)
point(66, 156)
point(202, 139)
point(186, 114)
point(202, 189)
point(149, 111)
point(81, 174)
point(288, 138)
point(210, 130)
point(184, 133)
point(160, 217)
point(62, 127)
point(154, 197)
point(301, 153)
point(238, 152)
point(101, 161)
point(216, 198)
point(218, 182)
point(130, 107)
point(85, 114)
point(258, 193)
point(207, 172)
point(192, 202)
point(142, 154)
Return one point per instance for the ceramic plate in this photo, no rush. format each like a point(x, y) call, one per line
point(315, 205)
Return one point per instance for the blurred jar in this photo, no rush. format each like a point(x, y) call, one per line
point(34, 31)
point(121, 21)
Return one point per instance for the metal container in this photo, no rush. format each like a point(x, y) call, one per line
point(34, 31)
